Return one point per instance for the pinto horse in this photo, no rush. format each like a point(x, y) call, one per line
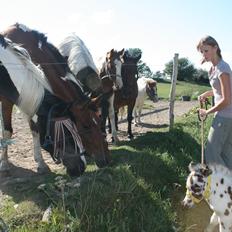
point(64, 86)
point(146, 87)
point(81, 63)
point(129, 92)
point(25, 85)
point(110, 74)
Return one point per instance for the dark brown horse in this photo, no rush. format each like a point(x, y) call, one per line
point(65, 87)
point(129, 92)
point(25, 85)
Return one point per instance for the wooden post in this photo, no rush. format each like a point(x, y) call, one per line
point(172, 94)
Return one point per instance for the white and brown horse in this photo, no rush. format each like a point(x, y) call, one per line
point(24, 84)
point(146, 87)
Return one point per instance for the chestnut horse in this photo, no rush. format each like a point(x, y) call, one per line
point(129, 92)
point(64, 86)
point(25, 85)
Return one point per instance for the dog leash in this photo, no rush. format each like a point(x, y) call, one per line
point(202, 120)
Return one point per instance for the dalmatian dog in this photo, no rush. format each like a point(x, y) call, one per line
point(214, 184)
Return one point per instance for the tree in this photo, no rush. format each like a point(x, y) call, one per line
point(186, 70)
point(201, 76)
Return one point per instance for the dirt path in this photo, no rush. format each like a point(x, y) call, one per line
point(157, 117)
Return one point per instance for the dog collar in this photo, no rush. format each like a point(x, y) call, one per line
point(205, 195)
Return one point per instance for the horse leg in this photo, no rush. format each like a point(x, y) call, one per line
point(135, 116)
point(109, 125)
point(42, 167)
point(116, 120)
point(139, 115)
point(7, 107)
point(104, 114)
point(112, 119)
point(129, 119)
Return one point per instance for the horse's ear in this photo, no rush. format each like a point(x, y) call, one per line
point(109, 54)
point(191, 166)
point(66, 58)
point(121, 53)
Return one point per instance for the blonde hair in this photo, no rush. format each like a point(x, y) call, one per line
point(209, 40)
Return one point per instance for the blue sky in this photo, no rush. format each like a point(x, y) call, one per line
point(159, 28)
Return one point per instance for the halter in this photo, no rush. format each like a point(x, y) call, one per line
point(205, 194)
point(109, 75)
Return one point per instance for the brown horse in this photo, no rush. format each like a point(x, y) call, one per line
point(129, 92)
point(24, 84)
point(64, 86)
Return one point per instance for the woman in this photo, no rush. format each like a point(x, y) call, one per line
point(219, 145)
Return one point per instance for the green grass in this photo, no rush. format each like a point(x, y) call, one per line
point(182, 88)
point(134, 194)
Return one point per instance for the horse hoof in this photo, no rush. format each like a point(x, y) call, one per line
point(115, 140)
point(4, 166)
point(130, 137)
point(5, 173)
point(43, 170)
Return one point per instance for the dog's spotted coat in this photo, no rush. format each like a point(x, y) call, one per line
point(217, 182)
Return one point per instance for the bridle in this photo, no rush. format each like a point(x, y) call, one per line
point(108, 74)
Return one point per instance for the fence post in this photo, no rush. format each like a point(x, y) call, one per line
point(172, 94)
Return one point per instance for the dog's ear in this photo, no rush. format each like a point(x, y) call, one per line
point(205, 170)
point(191, 166)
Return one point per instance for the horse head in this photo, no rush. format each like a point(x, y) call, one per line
point(111, 68)
point(80, 62)
point(130, 65)
point(151, 90)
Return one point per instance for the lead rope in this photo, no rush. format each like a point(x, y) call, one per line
point(202, 141)
point(202, 120)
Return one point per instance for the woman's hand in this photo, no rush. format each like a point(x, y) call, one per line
point(202, 114)
point(202, 98)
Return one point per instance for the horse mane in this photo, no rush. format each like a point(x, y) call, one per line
point(78, 54)
point(42, 40)
point(33, 82)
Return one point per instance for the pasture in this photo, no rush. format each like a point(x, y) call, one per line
point(138, 192)
point(182, 88)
